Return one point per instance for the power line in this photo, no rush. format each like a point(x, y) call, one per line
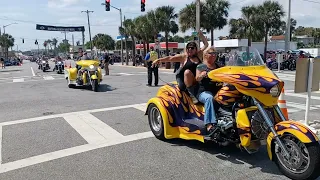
point(312, 1)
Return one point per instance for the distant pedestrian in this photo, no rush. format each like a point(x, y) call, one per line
point(106, 64)
point(2, 63)
point(150, 57)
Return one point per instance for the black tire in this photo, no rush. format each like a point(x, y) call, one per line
point(70, 85)
point(153, 110)
point(312, 172)
point(95, 85)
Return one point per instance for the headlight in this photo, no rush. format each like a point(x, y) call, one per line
point(275, 91)
point(43, 61)
point(91, 66)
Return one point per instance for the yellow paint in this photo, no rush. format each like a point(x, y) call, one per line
point(94, 77)
point(227, 74)
point(243, 123)
point(298, 134)
point(84, 78)
point(72, 74)
point(174, 132)
point(87, 63)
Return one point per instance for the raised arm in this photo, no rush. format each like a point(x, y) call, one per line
point(177, 58)
point(204, 40)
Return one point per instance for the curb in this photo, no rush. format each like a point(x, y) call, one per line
point(139, 67)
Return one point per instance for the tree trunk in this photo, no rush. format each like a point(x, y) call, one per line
point(265, 43)
point(168, 64)
point(127, 53)
point(133, 51)
point(212, 37)
point(250, 37)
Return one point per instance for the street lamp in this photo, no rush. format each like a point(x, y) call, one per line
point(4, 31)
point(119, 9)
point(4, 27)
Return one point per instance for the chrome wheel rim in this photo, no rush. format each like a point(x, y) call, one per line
point(299, 160)
point(155, 119)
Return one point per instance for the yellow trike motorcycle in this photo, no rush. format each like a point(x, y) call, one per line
point(247, 113)
point(86, 73)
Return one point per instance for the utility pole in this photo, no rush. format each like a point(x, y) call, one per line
point(72, 46)
point(288, 34)
point(119, 9)
point(198, 19)
point(87, 11)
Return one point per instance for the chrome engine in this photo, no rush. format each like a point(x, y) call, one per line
point(259, 126)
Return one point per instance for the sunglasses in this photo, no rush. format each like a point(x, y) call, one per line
point(192, 48)
point(212, 53)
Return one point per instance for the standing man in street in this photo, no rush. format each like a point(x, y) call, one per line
point(150, 57)
point(106, 64)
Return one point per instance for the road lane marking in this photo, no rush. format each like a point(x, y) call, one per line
point(48, 78)
point(99, 126)
point(126, 74)
point(85, 130)
point(66, 114)
point(141, 107)
point(18, 80)
point(32, 71)
point(70, 151)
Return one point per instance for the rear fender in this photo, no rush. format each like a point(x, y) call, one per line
point(299, 130)
point(169, 131)
point(71, 74)
point(173, 105)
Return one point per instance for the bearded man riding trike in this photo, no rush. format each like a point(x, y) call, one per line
point(86, 73)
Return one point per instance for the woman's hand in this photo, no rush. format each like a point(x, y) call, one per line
point(202, 75)
point(156, 62)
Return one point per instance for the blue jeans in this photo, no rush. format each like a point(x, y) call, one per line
point(206, 98)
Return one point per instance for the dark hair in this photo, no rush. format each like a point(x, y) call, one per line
point(191, 44)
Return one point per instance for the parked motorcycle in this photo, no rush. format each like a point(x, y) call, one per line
point(247, 115)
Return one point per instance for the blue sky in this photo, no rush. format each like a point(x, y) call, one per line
point(68, 12)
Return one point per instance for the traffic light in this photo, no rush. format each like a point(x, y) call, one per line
point(22, 40)
point(107, 5)
point(36, 42)
point(143, 5)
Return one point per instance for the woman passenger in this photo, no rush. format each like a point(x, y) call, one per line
point(208, 89)
point(187, 73)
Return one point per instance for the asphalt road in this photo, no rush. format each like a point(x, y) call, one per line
point(49, 131)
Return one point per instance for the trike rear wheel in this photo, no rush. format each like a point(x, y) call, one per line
point(156, 121)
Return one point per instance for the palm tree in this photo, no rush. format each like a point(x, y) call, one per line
point(54, 43)
point(216, 14)
point(187, 17)
point(167, 18)
point(248, 26)
point(130, 29)
point(293, 25)
point(270, 13)
point(6, 41)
